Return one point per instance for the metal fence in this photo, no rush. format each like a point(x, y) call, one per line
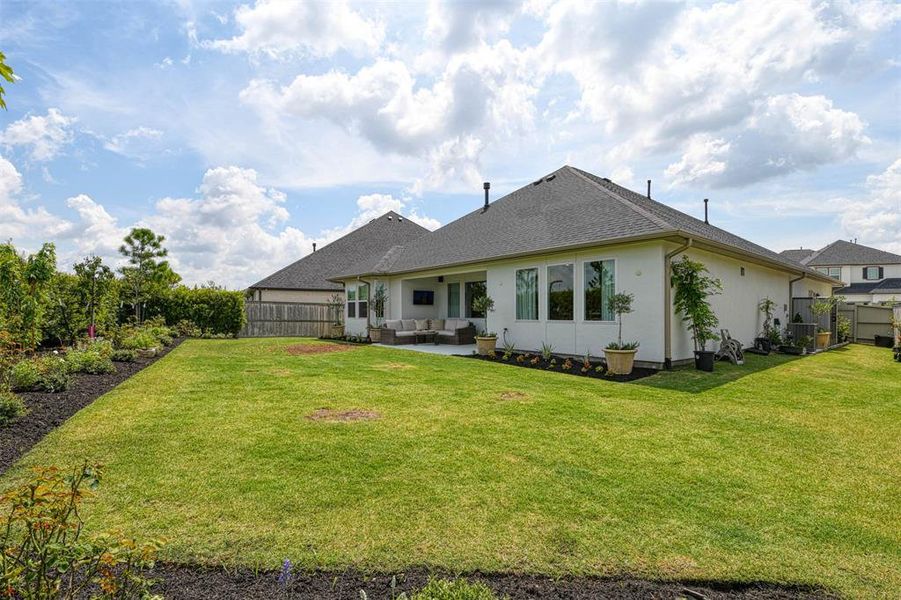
point(287, 319)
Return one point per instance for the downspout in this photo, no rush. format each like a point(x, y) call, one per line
point(667, 304)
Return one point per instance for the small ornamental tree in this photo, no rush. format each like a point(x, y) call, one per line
point(484, 304)
point(379, 303)
point(145, 274)
point(621, 304)
point(820, 308)
point(693, 285)
point(95, 282)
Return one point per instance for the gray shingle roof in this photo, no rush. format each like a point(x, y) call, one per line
point(371, 240)
point(841, 252)
point(892, 285)
point(568, 208)
point(798, 255)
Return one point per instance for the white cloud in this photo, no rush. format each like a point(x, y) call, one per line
point(876, 219)
point(785, 133)
point(17, 221)
point(316, 28)
point(479, 98)
point(45, 135)
point(138, 142)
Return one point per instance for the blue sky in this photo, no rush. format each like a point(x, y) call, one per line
point(246, 132)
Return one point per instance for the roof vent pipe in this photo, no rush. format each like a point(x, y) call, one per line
point(486, 186)
point(649, 189)
point(314, 246)
point(705, 211)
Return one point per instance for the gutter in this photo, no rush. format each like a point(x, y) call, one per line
point(667, 304)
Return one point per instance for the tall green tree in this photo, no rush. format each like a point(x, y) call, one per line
point(6, 72)
point(146, 274)
point(95, 282)
point(24, 283)
point(65, 317)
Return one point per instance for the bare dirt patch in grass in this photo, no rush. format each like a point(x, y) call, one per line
point(510, 395)
point(343, 416)
point(280, 372)
point(392, 366)
point(301, 349)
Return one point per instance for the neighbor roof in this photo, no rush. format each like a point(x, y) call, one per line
point(567, 208)
point(841, 252)
point(375, 238)
point(891, 285)
point(798, 255)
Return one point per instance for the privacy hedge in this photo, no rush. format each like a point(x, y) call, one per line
point(213, 311)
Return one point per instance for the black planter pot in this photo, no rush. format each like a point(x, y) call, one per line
point(763, 344)
point(704, 360)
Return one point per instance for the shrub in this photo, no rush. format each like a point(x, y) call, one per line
point(186, 328)
point(44, 374)
point(212, 311)
point(124, 356)
point(458, 589)
point(137, 339)
point(46, 553)
point(11, 406)
point(89, 360)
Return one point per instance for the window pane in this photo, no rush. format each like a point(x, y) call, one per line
point(363, 292)
point(527, 294)
point(363, 311)
point(823, 270)
point(453, 300)
point(351, 309)
point(599, 287)
point(474, 289)
point(835, 272)
point(560, 293)
point(872, 273)
point(351, 295)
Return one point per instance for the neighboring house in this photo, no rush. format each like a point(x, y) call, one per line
point(867, 274)
point(552, 253)
point(306, 280)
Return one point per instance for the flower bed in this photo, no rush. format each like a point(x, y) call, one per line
point(562, 364)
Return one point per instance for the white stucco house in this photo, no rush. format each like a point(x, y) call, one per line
point(868, 275)
point(551, 254)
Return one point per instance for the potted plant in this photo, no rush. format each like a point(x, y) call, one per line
point(486, 341)
point(379, 303)
point(769, 337)
point(336, 307)
point(621, 356)
point(693, 285)
point(819, 308)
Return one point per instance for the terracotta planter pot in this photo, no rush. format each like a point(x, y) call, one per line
point(620, 362)
point(337, 331)
point(485, 345)
point(823, 340)
point(375, 334)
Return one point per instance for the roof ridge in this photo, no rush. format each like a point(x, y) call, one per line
point(629, 204)
point(816, 253)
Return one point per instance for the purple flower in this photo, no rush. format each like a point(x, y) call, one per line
point(284, 577)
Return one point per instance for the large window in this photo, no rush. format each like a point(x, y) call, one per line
point(560, 293)
point(362, 301)
point(599, 288)
point(835, 272)
point(351, 303)
point(474, 289)
point(527, 294)
point(453, 300)
point(872, 273)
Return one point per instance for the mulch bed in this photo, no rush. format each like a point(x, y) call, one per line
point(300, 349)
point(201, 583)
point(543, 365)
point(48, 411)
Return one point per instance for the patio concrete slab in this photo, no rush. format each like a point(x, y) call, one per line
point(444, 349)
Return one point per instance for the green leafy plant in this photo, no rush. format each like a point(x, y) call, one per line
point(11, 407)
point(767, 306)
point(6, 72)
point(547, 351)
point(379, 303)
point(820, 308)
point(457, 589)
point(508, 350)
point(484, 304)
point(336, 308)
point(124, 356)
point(89, 360)
point(45, 554)
point(40, 374)
point(843, 327)
point(693, 286)
point(621, 304)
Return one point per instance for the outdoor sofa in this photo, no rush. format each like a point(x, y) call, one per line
point(448, 331)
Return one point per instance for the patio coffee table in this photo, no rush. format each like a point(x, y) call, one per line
point(426, 336)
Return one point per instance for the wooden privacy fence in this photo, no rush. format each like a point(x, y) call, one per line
point(867, 321)
point(286, 319)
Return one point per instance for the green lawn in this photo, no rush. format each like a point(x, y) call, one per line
point(785, 470)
